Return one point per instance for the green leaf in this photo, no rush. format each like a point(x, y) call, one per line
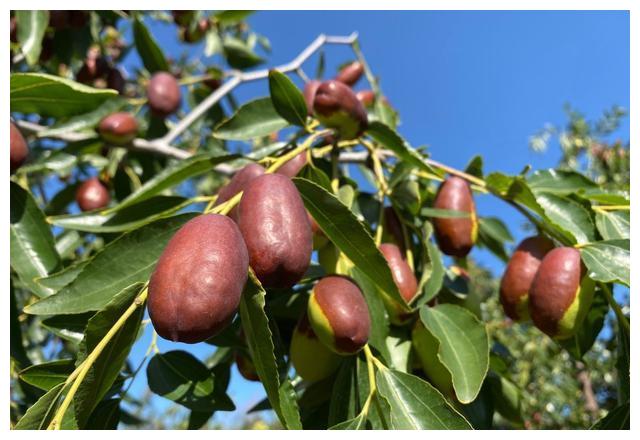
point(105, 416)
point(58, 280)
point(558, 182)
point(254, 119)
point(49, 95)
point(107, 366)
point(69, 327)
point(388, 137)
point(579, 344)
point(125, 219)
point(49, 374)
point(493, 234)
point(618, 418)
point(474, 167)
point(148, 49)
point(17, 352)
point(239, 55)
point(87, 120)
point(463, 349)
point(608, 261)
point(173, 175)
point(623, 360)
point(126, 260)
point(40, 413)
point(182, 378)
point(399, 345)
point(287, 99)
point(569, 216)
point(443, 213)
point(227, 18)
point(356, 423)
point(32, 249)
point(507, 397)
point(613, 225)
point(433, 271)
point(415, 404)
point(349, 235)
point(255, 325)
point(31, 29)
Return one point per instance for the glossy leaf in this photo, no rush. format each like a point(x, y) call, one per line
point(617, 418)
point(608, 261)
point(569, 216)
point(105, 416)
point(49, 95)
point(348, 234)
point(32, 249)
point(127, 260)
point(415, 404)
point(239, 55)
point(69, 327)
point(58, 280)
point(48, 374)
point(40, 413)
point(463, 349)
point(148, 49)
point(614, 225)
point(359, 422)
point(287, 99)
point(558, 182)
point(254, 119)
point(31, 29)
point(443, 213)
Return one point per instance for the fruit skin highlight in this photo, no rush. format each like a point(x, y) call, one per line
point(18, 148)
point(351, 73)
point(519, 274)
point(561, 293)
point(118, 128)
point(276, 229)
point(92, 194)
point(339, 315)
point(195, 289)
point(312, 360)
point(163, 93)
point(455, 236)
point(336, 106)
point(238, 183)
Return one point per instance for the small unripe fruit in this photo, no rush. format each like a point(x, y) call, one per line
point(425, 346)
point(312, 360)
point(92, 194)
point(561, 293)
point(455, 236)
point(195, 289)
point(519, 274)
point(337, 107)
point(309, 92)
point(238, 183)
point(339, 315)
point(118, 128)
point(292, 167)
point(351, 73)
point(163, 93)
point(18, 148)
point(275, 227)
point(246, 367)
point(366, 97)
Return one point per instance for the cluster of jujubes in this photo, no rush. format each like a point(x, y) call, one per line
point(547, 285)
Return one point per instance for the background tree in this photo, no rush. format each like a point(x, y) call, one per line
point(144, 155)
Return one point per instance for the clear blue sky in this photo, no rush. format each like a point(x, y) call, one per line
point(464, 83)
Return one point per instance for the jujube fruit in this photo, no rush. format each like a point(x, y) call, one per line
point(402, 274)
point(118, 128)
point(163, 93)
point(246, 367)
point(425, 347)
point(195, 288)
point(275, 227)
point(393, 228)
point(238, 183)
point(18, 148)
point(351, 73)
point(366, 97)
point(309, 92)
point(92, 194)
point(292, 167)
point(519, 274)
point(336, 106)
point(312, 360)
point(339, 315)
point(561, 293)
point(455, 236)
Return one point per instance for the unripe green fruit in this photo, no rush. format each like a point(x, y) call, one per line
point(246, 367)
point(455, 236)
point(425, 346)
point(404, 279)
point(351, 73)
point(92, 194)
point(309, 92)
point(18, 148)
point(336, 106)
point(195, 289)
point(275, 227)
point(339, 314)
point(163, 94)
point(238, 183)
point(519, 274)
point(561, 293)
point(118, 128)
point(312, 360)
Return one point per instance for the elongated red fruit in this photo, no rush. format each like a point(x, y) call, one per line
point(118, 128)
point(238, 183)
point(275, 227)
point(309, 92)
point(351, 73)
point(519, 274)
point(92, 194)
point(455, 236)
point(195, 288)
point(402, 274)
point(19, 150)
point(292, 167)
point(336, 106)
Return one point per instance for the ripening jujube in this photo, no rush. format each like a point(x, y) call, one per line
point(92, 194)
point(118, 128)
point(309, 92)
point(195, 289)
point(455, 236)
point(561, 293)
point(312, 360)
point(18, 148)
point(519, 274)
point(276, 229)
point(351, 73)
point(238, 183)
point(163, 94)
point(336, 106)
point(403, 277)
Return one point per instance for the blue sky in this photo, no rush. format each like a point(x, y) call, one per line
point(465, 83)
